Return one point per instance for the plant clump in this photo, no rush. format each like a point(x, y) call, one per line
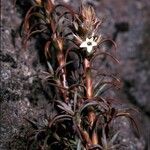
point(82, 115)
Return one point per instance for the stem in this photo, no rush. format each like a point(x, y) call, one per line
point(89, 95)
point(89, 87)
point(61, 61)
point(94, 138)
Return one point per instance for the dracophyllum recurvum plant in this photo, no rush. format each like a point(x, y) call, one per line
point(72, 42)
point(89, 40)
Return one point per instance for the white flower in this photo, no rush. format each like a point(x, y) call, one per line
point(89, 43)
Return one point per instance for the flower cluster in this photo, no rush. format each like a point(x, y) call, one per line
point(85, 28)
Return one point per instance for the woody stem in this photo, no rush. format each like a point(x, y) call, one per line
point(89, 95)
point(61, 61)
point(89, 87)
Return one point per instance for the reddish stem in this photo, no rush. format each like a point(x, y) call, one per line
point(61, 61)
point(89, 87)
point(89, 95)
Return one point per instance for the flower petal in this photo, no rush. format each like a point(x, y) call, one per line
point(83, 44)
point(94, 43)
point(89, 49)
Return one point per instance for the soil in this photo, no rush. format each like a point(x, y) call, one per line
point(22, 94)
